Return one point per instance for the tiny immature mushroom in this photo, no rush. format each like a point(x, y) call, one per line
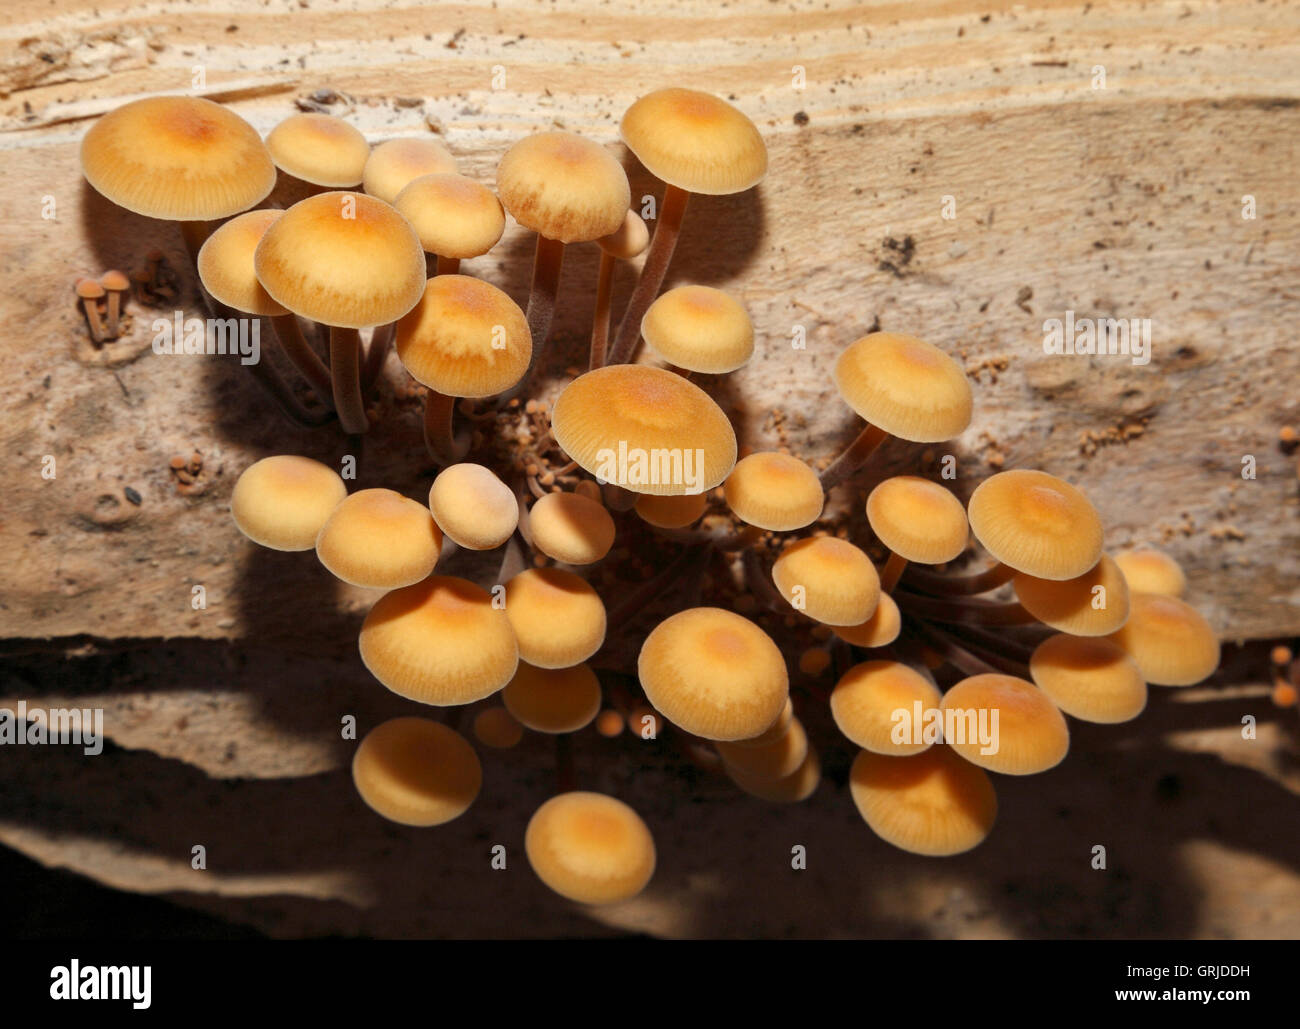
point(917, 520)
point(590, 848)
point(699, 329)
point(828, 579)
point(557, 617)
point(774, 491)
point(379, 539)
point(628, 241)
point(571, 528)
point(1152, 571)
point(319, 149)
point(473, 507)
point(880, 630)
point(553, 700)
point(609, 723)
point(455, 217)
point(116, 284)
point(1031, 734)
point(90, 293)
point(1169, 639)
point(1093, 680)
point(497, 728)
point(282, 502)
point(865, 699)
point(415, 771)
point(394, 164)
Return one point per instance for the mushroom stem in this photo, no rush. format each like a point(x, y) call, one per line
point(648, 591)
point(960, 585)
point(541, 297)
point(195, 235)
point(345, 372)
point(116, 284)
point(439, 410)
point(88, 292)
point(380, 343)
point(854, 457)
point(982, 652)
point(965, 612)
point(304, 358)
point(894, 568)
point(653, 272)
point(447, 265)
point(600, 319)
point(566, 778)
point(952, 652)
point(993, 643)
point(761, 585)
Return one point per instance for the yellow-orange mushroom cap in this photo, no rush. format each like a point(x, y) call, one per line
point(1169, 639)
point(177, 158)
point(828, 579)
point(496, 727)
point(473, 507)
point(1030, 736)
point(645, 429)
point(713, 673)
point(774, 731)
point(342, 259)
point(416, 771)
point(226, 269)
point(1092, 679)
point(396, 163)
point(774, 759)
point(571, 528)
point(671, 512)
point(1152, 571)
point(320, 149)
point(798, 786)
point(629, 240)
point(1095, 603)
point(695, 141)
point(590, 848)
point(932, 803)
point(464, 338)
point(774, 491)
point(553, 700)
point(558, 619)
point(907, 387)
point(1037, 524)
point(880, 630)
point(918, 519)
point(867, 701)
point(700, 329)
point(439, 642)
point(379, 539)
point(454, 216)
point(283, 501)
point(563, 187)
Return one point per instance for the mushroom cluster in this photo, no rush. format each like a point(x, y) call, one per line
point(930, 692)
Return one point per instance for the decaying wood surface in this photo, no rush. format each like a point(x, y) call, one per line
point(1119, 199)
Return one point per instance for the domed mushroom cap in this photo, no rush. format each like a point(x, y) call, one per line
point(571, 528)
point(1152, 571)
point(379, 539)
point(671, 512)
point(473, 507)
point(590, 848)
point(1030, 735)
point(629, 240)
point(794, 788)
point(553, 700)
point(774, 731)
point(558, 618)
point(875, 706)
point(320, 149)
point(415, 771)
point(828, 579)
point(283, 501)
point(774, 491)
point(774, 759)
point(563, 187)
point(1171, 642)
point(439, 642)
point(178, 158)
point(695, 141)
point(464, 338)
point(342, 259)
point(918, 519)
point(908, 387)
point(713, 673)
point(1095, 603)
point(880, 630)
point(1092, 679)
point(395, 163)
point(645, 429)
point(700, 329)
point(1037, 524)
point(496, 727)
point(454, 216)
point(226, 269)
point(932, 803)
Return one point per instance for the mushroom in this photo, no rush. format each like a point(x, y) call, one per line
point(609, 723)
point(880, 630)
point(932, 803)
point(415, 771)
point(496, 727)
point(1169, 639)
point(828, 579)
point(455, 217)
point(695, 143)
point(90, 293)
point(699, 329)
point(798, 786)
point(567, 189)
point(917, 520)
point(867, 700)
point(714, 674)
point(671, 512)
point(379, 539)
point(902, 386)
point(1152, 571)
point(590, 848)
point(774, 758)
point(463, 338)
point(116, 284)
point(644, 429)
point(774, 731)
point(395, 163)
point(553, 700)
point(440, 641)
point(345, 260)
point(571, 528)
point(1030, 735)
point(1093, 680)
point(774, 491)
point(473, 507)
point(1095, 603)
point(282, 502)
point(629, 240)
point(319, 149)
point(558, 619)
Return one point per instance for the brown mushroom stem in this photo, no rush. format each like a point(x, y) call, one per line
point(345, 372)
point(952, 652)
point(513, 561)
point(653, 272)
point(992, 642)
point(760, 584)
point(304, 358)
point(195, 235)
point(968, 653)
point(381, 341)
point(566, 778)
point(645, 594)
point(600, 318)
point(439, 412)
point(91, 306)
point(114, 311)
point(447, 265)
point(854, 457)
point(893, 570)
point(960, 585)
point(541, 297)
point(525, 525)
point(964, 612)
